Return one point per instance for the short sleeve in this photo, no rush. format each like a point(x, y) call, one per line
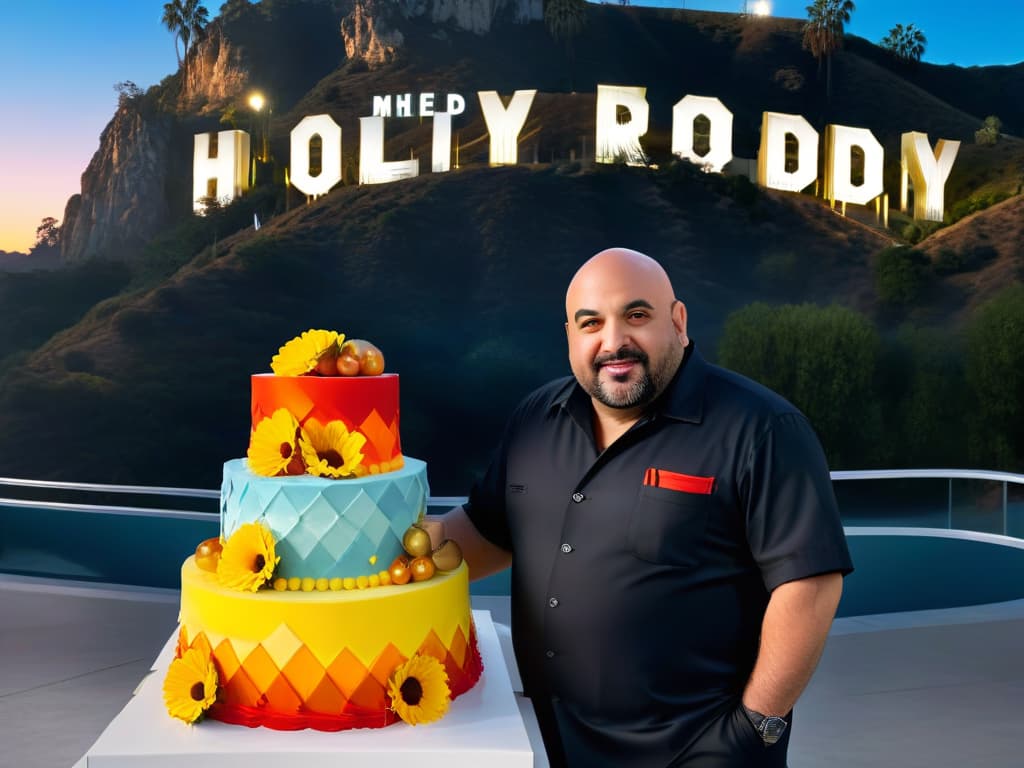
point(793, 526)
point(486, 505)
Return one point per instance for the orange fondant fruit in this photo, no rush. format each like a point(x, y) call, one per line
point(347, 365)
point(422, 568)
point(371, 359)
point(399, 570)
point(208, 554)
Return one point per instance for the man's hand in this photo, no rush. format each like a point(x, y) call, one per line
point(482, 557)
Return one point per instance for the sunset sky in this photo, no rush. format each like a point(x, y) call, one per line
point(61, 59)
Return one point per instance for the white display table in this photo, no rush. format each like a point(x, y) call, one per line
point(486, 726)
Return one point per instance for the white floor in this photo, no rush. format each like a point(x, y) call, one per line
point(936, 688)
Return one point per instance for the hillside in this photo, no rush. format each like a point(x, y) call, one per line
point(449, 274)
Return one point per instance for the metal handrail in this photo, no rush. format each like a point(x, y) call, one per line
point(450, 501)
point(153, 490)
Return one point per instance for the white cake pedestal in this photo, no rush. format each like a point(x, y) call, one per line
point(489, 725)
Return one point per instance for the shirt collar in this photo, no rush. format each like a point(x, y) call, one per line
point(683, 399)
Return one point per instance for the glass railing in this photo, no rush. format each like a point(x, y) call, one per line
point(139, 535)
point(958, 499)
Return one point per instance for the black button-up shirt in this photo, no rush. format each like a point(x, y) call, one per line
point(641, 574)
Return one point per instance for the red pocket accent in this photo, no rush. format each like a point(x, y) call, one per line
point(675, 481)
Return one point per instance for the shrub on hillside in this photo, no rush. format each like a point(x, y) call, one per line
point(995, 374)
point(823, 360)
point(901, 274)
point(989, 132)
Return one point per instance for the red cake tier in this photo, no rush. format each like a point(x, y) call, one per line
point(368, 404)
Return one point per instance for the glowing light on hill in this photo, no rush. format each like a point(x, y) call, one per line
point(762, 8)
point(256, 101)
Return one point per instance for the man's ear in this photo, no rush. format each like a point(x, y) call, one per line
point(679, 321)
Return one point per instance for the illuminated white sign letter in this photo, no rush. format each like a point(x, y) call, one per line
point(771, 159)
point(505, 125)
point(330, 162)
point(684, 113)
point(839, 143)
point(372, 168)
point(229, 169)
point(426, 104)
point(441, 153)
point(621, 140)
point(382, 106)
point(928, 170)
point(456, 104)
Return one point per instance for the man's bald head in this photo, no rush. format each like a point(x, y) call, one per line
point(625, 327)
point(619, 266)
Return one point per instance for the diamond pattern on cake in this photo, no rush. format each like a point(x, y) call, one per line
point(226, 660)
point(379, 435)
point(260, 668)
point(319, 516)
point(347, 672)
point(282, 645)
point(304, 672)
point(336, 542)
point(326, 698)
point(357, 510)
point(346, 688)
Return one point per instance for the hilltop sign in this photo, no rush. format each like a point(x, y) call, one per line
point(225, 175)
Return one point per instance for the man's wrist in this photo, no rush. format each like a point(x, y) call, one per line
point(769, 727)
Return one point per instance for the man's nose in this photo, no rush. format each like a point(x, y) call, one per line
point(615, 336)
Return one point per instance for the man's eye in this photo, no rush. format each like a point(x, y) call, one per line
point(588, 323)
point(637, 315)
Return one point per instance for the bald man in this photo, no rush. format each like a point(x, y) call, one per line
point(676, 551)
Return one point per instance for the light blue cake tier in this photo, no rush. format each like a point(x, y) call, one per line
point(325, 528)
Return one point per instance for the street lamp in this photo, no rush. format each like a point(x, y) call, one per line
point(256, 102)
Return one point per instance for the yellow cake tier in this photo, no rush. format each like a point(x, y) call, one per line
point(322, 660)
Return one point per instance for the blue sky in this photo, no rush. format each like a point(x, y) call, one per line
point(60, 59)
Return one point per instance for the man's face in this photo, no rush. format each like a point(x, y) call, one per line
point(626, 333)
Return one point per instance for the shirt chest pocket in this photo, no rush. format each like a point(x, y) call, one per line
point(667, 526)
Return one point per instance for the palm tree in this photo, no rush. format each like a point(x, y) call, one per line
point(565, 20)
point(906, 43)
point(823, 32)
point(185, 19)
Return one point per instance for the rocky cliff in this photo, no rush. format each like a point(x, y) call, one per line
point(371, 30)
point(216, 76)
point(122, 203)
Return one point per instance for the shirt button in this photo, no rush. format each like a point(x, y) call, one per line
point(567, 548)
point(578, 497)
point(553, 602)
point(549, 654)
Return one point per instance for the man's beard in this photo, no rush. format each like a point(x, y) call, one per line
point(640, 392)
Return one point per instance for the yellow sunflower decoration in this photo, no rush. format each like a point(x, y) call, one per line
point(419, 690)
point(274, 446)
point(248, 559)
point(190, 686)
point(301, 354)
point(331, 450)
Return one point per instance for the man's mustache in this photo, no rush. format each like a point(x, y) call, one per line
point(620, 355)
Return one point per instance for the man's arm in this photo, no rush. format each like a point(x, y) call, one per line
point(793, 634)
point(482, 557)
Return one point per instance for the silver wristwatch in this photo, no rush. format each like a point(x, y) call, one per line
point(769, 727)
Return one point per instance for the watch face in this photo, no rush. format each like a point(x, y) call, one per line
point(772, 729)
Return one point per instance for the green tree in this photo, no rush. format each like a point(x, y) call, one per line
point(921, 387)
point(901, 274)
point(823, 360)
point(565, 20)
point(186, 20)
point(48, 233)
point(906, 43)
point(989, 132)
point(995, 375)
point(823, 32)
